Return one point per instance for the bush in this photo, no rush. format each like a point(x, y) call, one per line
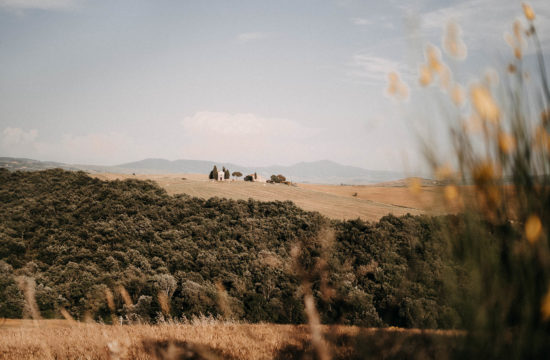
point(278, 179)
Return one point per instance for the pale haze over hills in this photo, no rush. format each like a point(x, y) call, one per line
point(323, 171)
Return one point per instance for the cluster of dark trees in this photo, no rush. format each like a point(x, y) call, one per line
point(278, 179)
point(76, 236)
point(226, 175)
point(251, 177)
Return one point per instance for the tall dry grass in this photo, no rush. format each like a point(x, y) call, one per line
point(203, 339)
point(96, 341)
point(499, 131)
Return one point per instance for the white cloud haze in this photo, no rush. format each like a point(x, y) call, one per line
point(251, 36)
point(94, 148)
point(39, 4)
point(13, 137)
point(360, 21)
point(246, 136)
point(374, 69)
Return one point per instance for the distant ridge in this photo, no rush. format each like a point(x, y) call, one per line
point(25, 164)
point(322, 172)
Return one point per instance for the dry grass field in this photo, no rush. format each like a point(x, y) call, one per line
point(334, 201)
point(428, 199)
point(61, 339)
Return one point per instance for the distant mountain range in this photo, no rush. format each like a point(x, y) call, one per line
point(324, 171)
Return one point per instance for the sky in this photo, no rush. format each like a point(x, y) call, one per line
point(250, 82)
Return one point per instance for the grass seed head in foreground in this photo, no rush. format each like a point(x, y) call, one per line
point(506, 158)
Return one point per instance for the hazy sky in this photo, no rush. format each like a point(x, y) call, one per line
point(251, 82)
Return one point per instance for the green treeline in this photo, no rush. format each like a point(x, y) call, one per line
point(76, 236)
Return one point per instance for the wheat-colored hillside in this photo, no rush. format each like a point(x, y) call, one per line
point(333, 201)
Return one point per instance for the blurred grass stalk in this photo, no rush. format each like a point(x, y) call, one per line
point(501, 146)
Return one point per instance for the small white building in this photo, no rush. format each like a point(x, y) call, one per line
point(259, 178)
point(221, 176)
point(256, 178)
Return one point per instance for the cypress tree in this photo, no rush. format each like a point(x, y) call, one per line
point(215, 173)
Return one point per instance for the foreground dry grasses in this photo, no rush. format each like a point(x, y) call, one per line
point(59, 339)
point(368, 202)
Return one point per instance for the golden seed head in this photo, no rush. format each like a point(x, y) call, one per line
point(528, 11)
point(493, 196)
point(452, 41)
point(451, 192)
point(396, 87)
point(542, 138)
point(516, 41)
point(392, 86)
point(533, 229)
point(125, 296)
point(517, 53)
point(483, 172)
point(110, 299)
point(433, 58)
point(512, 68)
point(164, 302)
point(506, 142)
point(444, 172)
point(517, 29)
point(66, 314)
point(484, 104)
point(426, 77)
point(415, 185)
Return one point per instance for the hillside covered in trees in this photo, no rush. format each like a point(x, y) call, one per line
point(80, 239)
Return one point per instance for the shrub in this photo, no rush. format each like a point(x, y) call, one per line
point(278, 178)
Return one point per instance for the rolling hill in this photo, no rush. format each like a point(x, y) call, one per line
point(368, 202)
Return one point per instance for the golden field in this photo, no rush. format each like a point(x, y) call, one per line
point(334, 201)
point(62, 339)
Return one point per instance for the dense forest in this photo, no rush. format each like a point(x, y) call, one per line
point(97, 248)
